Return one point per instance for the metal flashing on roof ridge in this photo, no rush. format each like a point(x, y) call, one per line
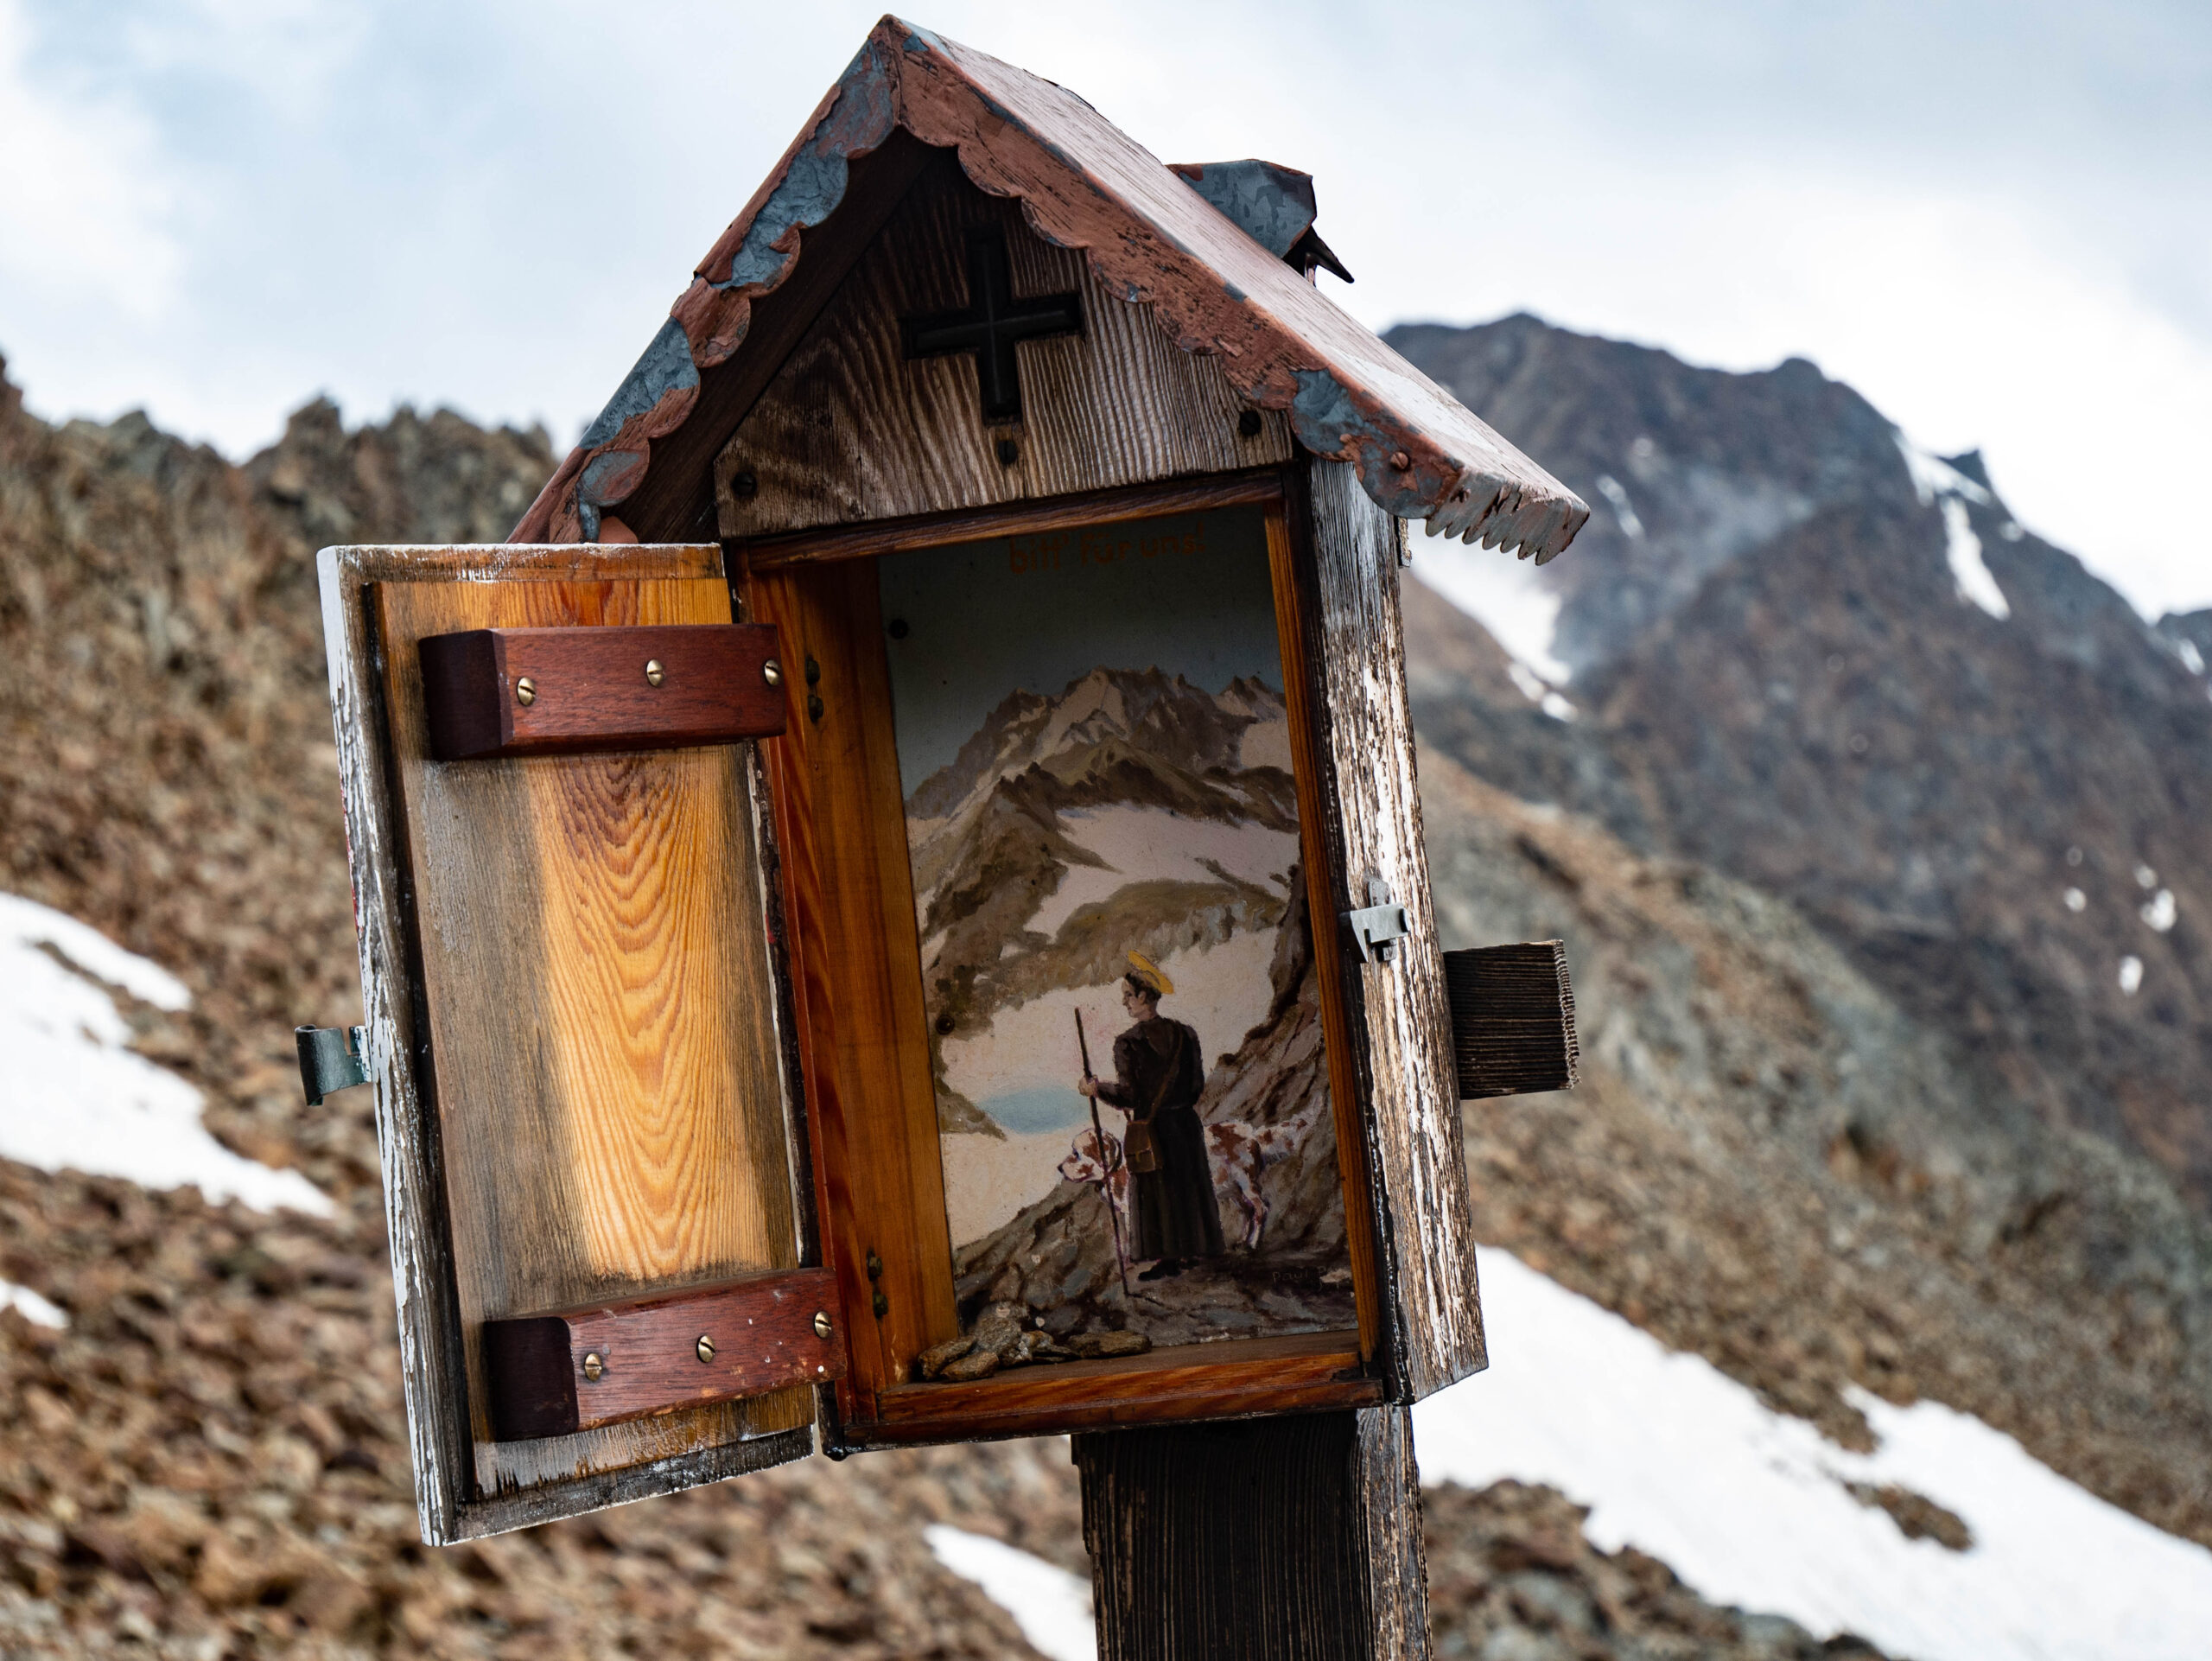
point(1150, 233)
point(1272, 204)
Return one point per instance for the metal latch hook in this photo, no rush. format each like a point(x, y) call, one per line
point(331, 1060)
point(1377, 923)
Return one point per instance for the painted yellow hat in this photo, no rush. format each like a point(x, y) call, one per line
point(1147, 969)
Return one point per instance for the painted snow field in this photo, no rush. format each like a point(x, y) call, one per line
point(1052, 1606)
point(1750, 1506)
point(1151, 844)
point(76, 1098)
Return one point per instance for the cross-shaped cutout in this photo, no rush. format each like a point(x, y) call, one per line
point(992, 322)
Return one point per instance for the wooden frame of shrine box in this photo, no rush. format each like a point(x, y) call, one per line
point(843, 854)
point(642, 992)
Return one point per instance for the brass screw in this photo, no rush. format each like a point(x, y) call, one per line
point(654, 674)
point(706, 1348)
point(594, 1366)
point(821, 1323)
point(875, 1265)
point(525, 691)
point(772, 672)
point(880, 1304)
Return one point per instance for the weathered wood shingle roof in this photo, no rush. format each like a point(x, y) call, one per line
point(1149, 237)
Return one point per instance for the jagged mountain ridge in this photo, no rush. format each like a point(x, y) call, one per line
point(1784, 672)
point(1084, 744)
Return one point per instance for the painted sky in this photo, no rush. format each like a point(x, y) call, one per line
point(1995, 219)
point(1187, 596)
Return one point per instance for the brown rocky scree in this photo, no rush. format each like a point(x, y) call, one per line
point(211, 1459)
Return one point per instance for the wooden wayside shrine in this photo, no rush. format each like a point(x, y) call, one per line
point(979, 607)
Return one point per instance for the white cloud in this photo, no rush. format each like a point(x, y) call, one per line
point(84, 199)
point(1994, 236)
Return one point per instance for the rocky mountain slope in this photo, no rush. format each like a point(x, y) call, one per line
point(1817, 660)
point(1792, 692)
point(1850, 1118)
point(210, 1460)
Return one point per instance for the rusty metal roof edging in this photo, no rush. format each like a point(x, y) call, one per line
point(1149, 236)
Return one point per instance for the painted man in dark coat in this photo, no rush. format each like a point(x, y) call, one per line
point(1159, 1072)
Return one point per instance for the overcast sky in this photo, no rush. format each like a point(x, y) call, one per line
point(1994, 219)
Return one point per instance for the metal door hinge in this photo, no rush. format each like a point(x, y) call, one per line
point(1377, 923)
point(330, 1059)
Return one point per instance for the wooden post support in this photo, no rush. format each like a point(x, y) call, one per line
point(1283, 1539)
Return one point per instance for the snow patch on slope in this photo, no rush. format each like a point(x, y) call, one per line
point(1623, 511)
point(1963, 549)
point(1508, 597)
point(1052, 1606)
point(1749, 1507)
point(79, 1098)
point(33, 1308)
point(1932, 476)
point(1937, 483)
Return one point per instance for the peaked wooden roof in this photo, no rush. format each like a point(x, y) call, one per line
point(1149, 237)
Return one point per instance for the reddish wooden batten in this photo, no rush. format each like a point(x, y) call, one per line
point(552, 1375)
point(599, 689)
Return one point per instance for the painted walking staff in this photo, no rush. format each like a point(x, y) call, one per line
point(1158, 1076)
point(1105, 1168)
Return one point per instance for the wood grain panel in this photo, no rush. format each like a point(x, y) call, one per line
point(450, 1503)
point(1400, 1029)
point(676, 501)
point(1512, 1019)
point(981, 523)
point(1291, 1539)
point(851, 430)
point(596, 976)
point(856, 964)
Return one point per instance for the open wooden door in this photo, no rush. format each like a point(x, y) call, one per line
point(596, 1162)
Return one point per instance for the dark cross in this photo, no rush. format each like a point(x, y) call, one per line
point(993, 321)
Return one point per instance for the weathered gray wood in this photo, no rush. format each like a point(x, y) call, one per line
point(849, 430)
point(1287, 1539)
point(1512, 1019)
point(1401, 1030)
point(462, 1490)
